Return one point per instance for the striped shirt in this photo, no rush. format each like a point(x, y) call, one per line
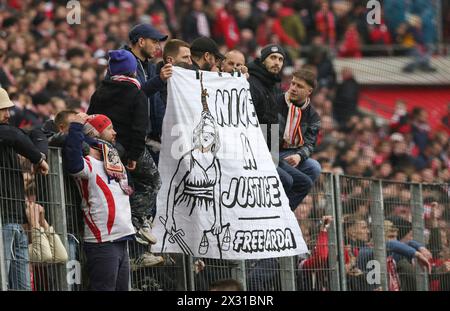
point(106, 208)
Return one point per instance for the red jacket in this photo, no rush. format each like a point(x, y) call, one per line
point(351, 45)
point(326, 25)
point(319, 257)
point(273, 27)
point(226, 27)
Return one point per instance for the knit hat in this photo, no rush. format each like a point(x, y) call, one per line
point(121, 62)
point(270, 49)
point(96, 124)
point(403, 226)
point(5, 102)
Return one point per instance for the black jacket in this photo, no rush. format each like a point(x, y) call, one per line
point(346, 101)
point(151, 84)
point(126, 106)
point(264, 90)
point(14, 141)
point(309, 123)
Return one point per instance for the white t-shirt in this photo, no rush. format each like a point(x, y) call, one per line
point(106, 208)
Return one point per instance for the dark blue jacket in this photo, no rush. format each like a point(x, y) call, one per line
point(151, 83)
point(73, 149)
point(394, 248)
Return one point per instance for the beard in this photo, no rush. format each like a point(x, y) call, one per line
point(206, 67)
point(146, 54)
point(275, 70)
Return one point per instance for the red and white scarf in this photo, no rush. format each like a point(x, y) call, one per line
point(292, 137)
point(126, 78)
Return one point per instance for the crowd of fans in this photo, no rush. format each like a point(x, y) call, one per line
point(48, 66)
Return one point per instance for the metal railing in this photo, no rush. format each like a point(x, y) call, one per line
point(353, 253)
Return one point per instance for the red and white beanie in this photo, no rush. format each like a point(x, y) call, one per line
point(96, 124)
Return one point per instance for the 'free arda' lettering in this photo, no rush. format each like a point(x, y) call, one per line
point(274, 240)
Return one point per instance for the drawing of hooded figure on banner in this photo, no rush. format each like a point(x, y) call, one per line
point(194, 199)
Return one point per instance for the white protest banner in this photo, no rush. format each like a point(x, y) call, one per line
point(221, 196)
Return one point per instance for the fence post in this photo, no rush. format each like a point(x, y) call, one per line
point(332, 233)
point(339, 232)
point(189, 269)
point(377, 214)
point(418, 226)
point(57, 197)
point(3, 274)
point(287, 273)
point(238, 272)
point(182, 275)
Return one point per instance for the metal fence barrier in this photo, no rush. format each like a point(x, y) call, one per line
point(353, 252)
point(33, 225)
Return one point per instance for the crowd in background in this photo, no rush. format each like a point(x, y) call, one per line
point(47, 66)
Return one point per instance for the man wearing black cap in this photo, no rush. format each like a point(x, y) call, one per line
point(205, 54)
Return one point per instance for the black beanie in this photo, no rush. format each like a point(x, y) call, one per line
point(270, 49)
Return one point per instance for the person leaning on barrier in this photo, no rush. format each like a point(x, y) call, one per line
point(418, 251)
point(61, 124)
point(74, 216)
point(14, 141)
point(46, 245)
point(359, 251)
point(103, 182)
point(313, 271)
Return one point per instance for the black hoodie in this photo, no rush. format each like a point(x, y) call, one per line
point(263, 87)
point(264, 90)
point(126, 106)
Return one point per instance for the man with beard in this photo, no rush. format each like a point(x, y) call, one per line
point(264, 77)
point(205, 54)
point(145, 44)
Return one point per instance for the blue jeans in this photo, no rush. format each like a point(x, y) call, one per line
point(15, 243)
point(297, 181)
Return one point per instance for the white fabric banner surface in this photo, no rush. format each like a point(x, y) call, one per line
point(221, 196)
